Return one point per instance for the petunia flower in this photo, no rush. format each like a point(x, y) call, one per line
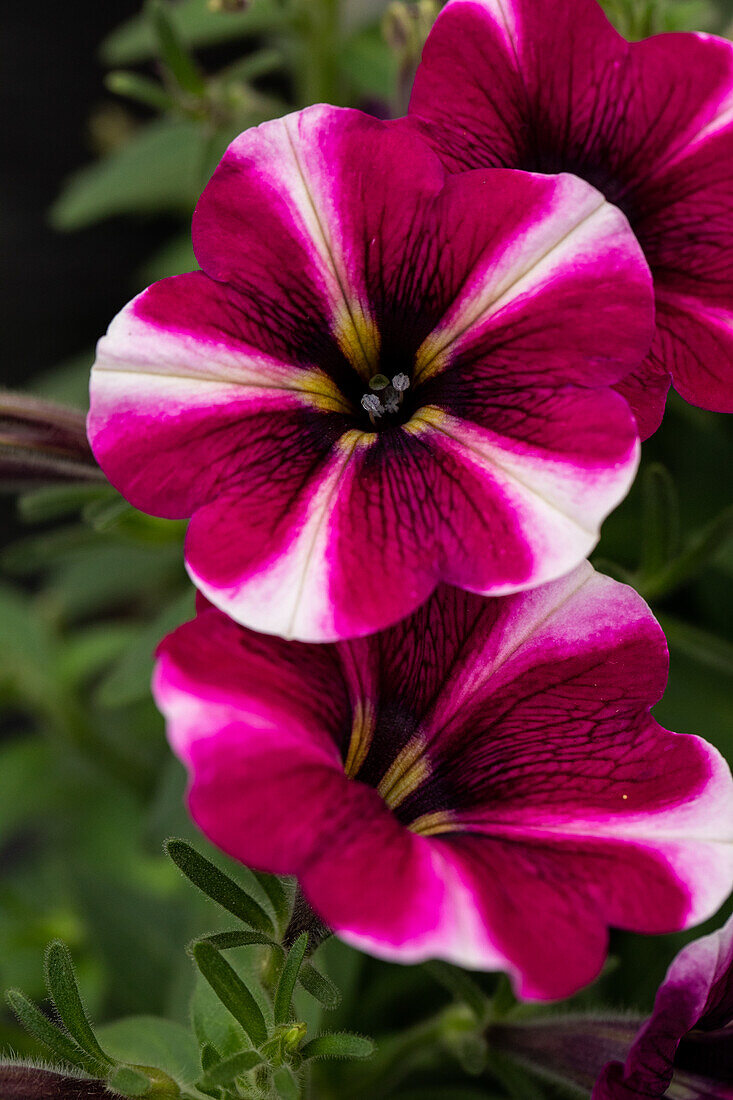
point(384, 377)
point(550, 86)
point(684, 1051)
point(483, 782)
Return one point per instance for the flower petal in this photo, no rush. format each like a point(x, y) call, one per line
point(536, 254)
point(179, 387)
point(579, 885)
point(304, 184)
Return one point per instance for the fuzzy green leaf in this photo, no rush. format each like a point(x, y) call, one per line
point(217, 886)
point(276, 895)
point(338, 1044)
point(231, 991)
point(288, 978)
point(64, 991)
point(129, 1081)
point(51, 1036)
point(319, 986)
point(286, 1087)
point(224, 1072)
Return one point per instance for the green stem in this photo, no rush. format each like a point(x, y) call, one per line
point(317, 72)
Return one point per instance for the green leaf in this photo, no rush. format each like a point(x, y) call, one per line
point(104, 515)
point(129, 680)
point(369, 66)
point(172, 51)
point(196, 25)
point(154, 1041)
point(286, 1087)
point(172, 258)
point(209, 1057)
point(288, 978)
point(129, 1081)
point(217, 886)
point(319, 986)
point(463, 988)
point(704, 647)
point(140, 89)
point(660, 520)
point(231, 991)
point(64, 991)
point(213, 1024)
point(56, 501)
point(227, 1070)
point(338, 1044)
point(51, 1036)
point(277, 895)
point(158, 169)
point(701, 550)
point(223, 941)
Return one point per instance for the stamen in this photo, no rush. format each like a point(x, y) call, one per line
point(401, 382)
point(372, 404)
point(433, 824)
point(410, 768)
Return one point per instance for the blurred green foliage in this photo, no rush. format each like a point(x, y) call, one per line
point(89, 789)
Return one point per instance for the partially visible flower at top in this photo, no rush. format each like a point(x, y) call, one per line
point(482, 783)
point(384, 377)
point(685, 1050)
point(550, 86)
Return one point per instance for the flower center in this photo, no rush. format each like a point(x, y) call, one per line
point(402, 779)
point(384, 402)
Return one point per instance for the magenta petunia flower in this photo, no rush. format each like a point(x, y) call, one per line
point(549, 86)
point(685, 1049)
point(384, 377)
point(482, 782)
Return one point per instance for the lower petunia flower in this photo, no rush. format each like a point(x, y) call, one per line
point(482, 782)
point(385, 377)
point(685, 1049)
point(549, 86)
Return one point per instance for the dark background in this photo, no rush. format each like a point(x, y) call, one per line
point(60, 290)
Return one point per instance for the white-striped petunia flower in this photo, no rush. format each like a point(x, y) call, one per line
point(482, 782)
point(383, 378)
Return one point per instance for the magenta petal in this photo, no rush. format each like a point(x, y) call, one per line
point(549, 86)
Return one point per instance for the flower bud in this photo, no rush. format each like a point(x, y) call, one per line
point(569, 1049)
point(42, 443)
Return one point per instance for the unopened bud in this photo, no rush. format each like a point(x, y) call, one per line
point(571, 1049)
point(42, 443)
